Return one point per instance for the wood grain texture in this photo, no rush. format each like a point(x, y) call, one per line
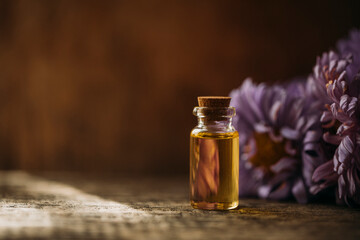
point(64, 205)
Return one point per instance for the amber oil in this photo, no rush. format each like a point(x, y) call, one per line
point(214, 181)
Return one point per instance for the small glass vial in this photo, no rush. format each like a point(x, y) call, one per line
point(214, 156)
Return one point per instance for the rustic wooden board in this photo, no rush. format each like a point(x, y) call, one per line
point(64, 205)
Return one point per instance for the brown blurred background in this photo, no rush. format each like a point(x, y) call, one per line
point(110, 85)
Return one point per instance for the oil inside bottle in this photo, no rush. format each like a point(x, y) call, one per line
point(214, 170)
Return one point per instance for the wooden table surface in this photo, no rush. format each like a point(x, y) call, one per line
point(73, 206)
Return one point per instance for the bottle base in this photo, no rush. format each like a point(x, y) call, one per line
point(214, 205)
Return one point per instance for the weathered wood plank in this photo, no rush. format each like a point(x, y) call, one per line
point(64, 205)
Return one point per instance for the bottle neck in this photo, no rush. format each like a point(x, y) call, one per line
point(215, 119)
point(219, 124)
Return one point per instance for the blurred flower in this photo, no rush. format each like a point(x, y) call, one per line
point(277, 129)
point(336, 83)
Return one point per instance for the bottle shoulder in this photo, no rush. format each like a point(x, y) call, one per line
point(203, 133)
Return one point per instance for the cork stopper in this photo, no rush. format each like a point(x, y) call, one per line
point(214, 101)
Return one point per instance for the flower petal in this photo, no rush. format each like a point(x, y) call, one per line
point(290, 133)
point(261, 127)
point(326, 116)
point(281, 192)
point(323, 171)
point(299, 191)
point(333, 139)
point(284, 164)
point(274, 111)
point(312, 136)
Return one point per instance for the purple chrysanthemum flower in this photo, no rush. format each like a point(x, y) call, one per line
point(279, 139)
point(337, 85)
point(328, 68)
point(351, 46)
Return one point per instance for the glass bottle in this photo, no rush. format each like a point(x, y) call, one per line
point(214, 156)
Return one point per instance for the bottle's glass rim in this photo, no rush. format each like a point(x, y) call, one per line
point(226, 112)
